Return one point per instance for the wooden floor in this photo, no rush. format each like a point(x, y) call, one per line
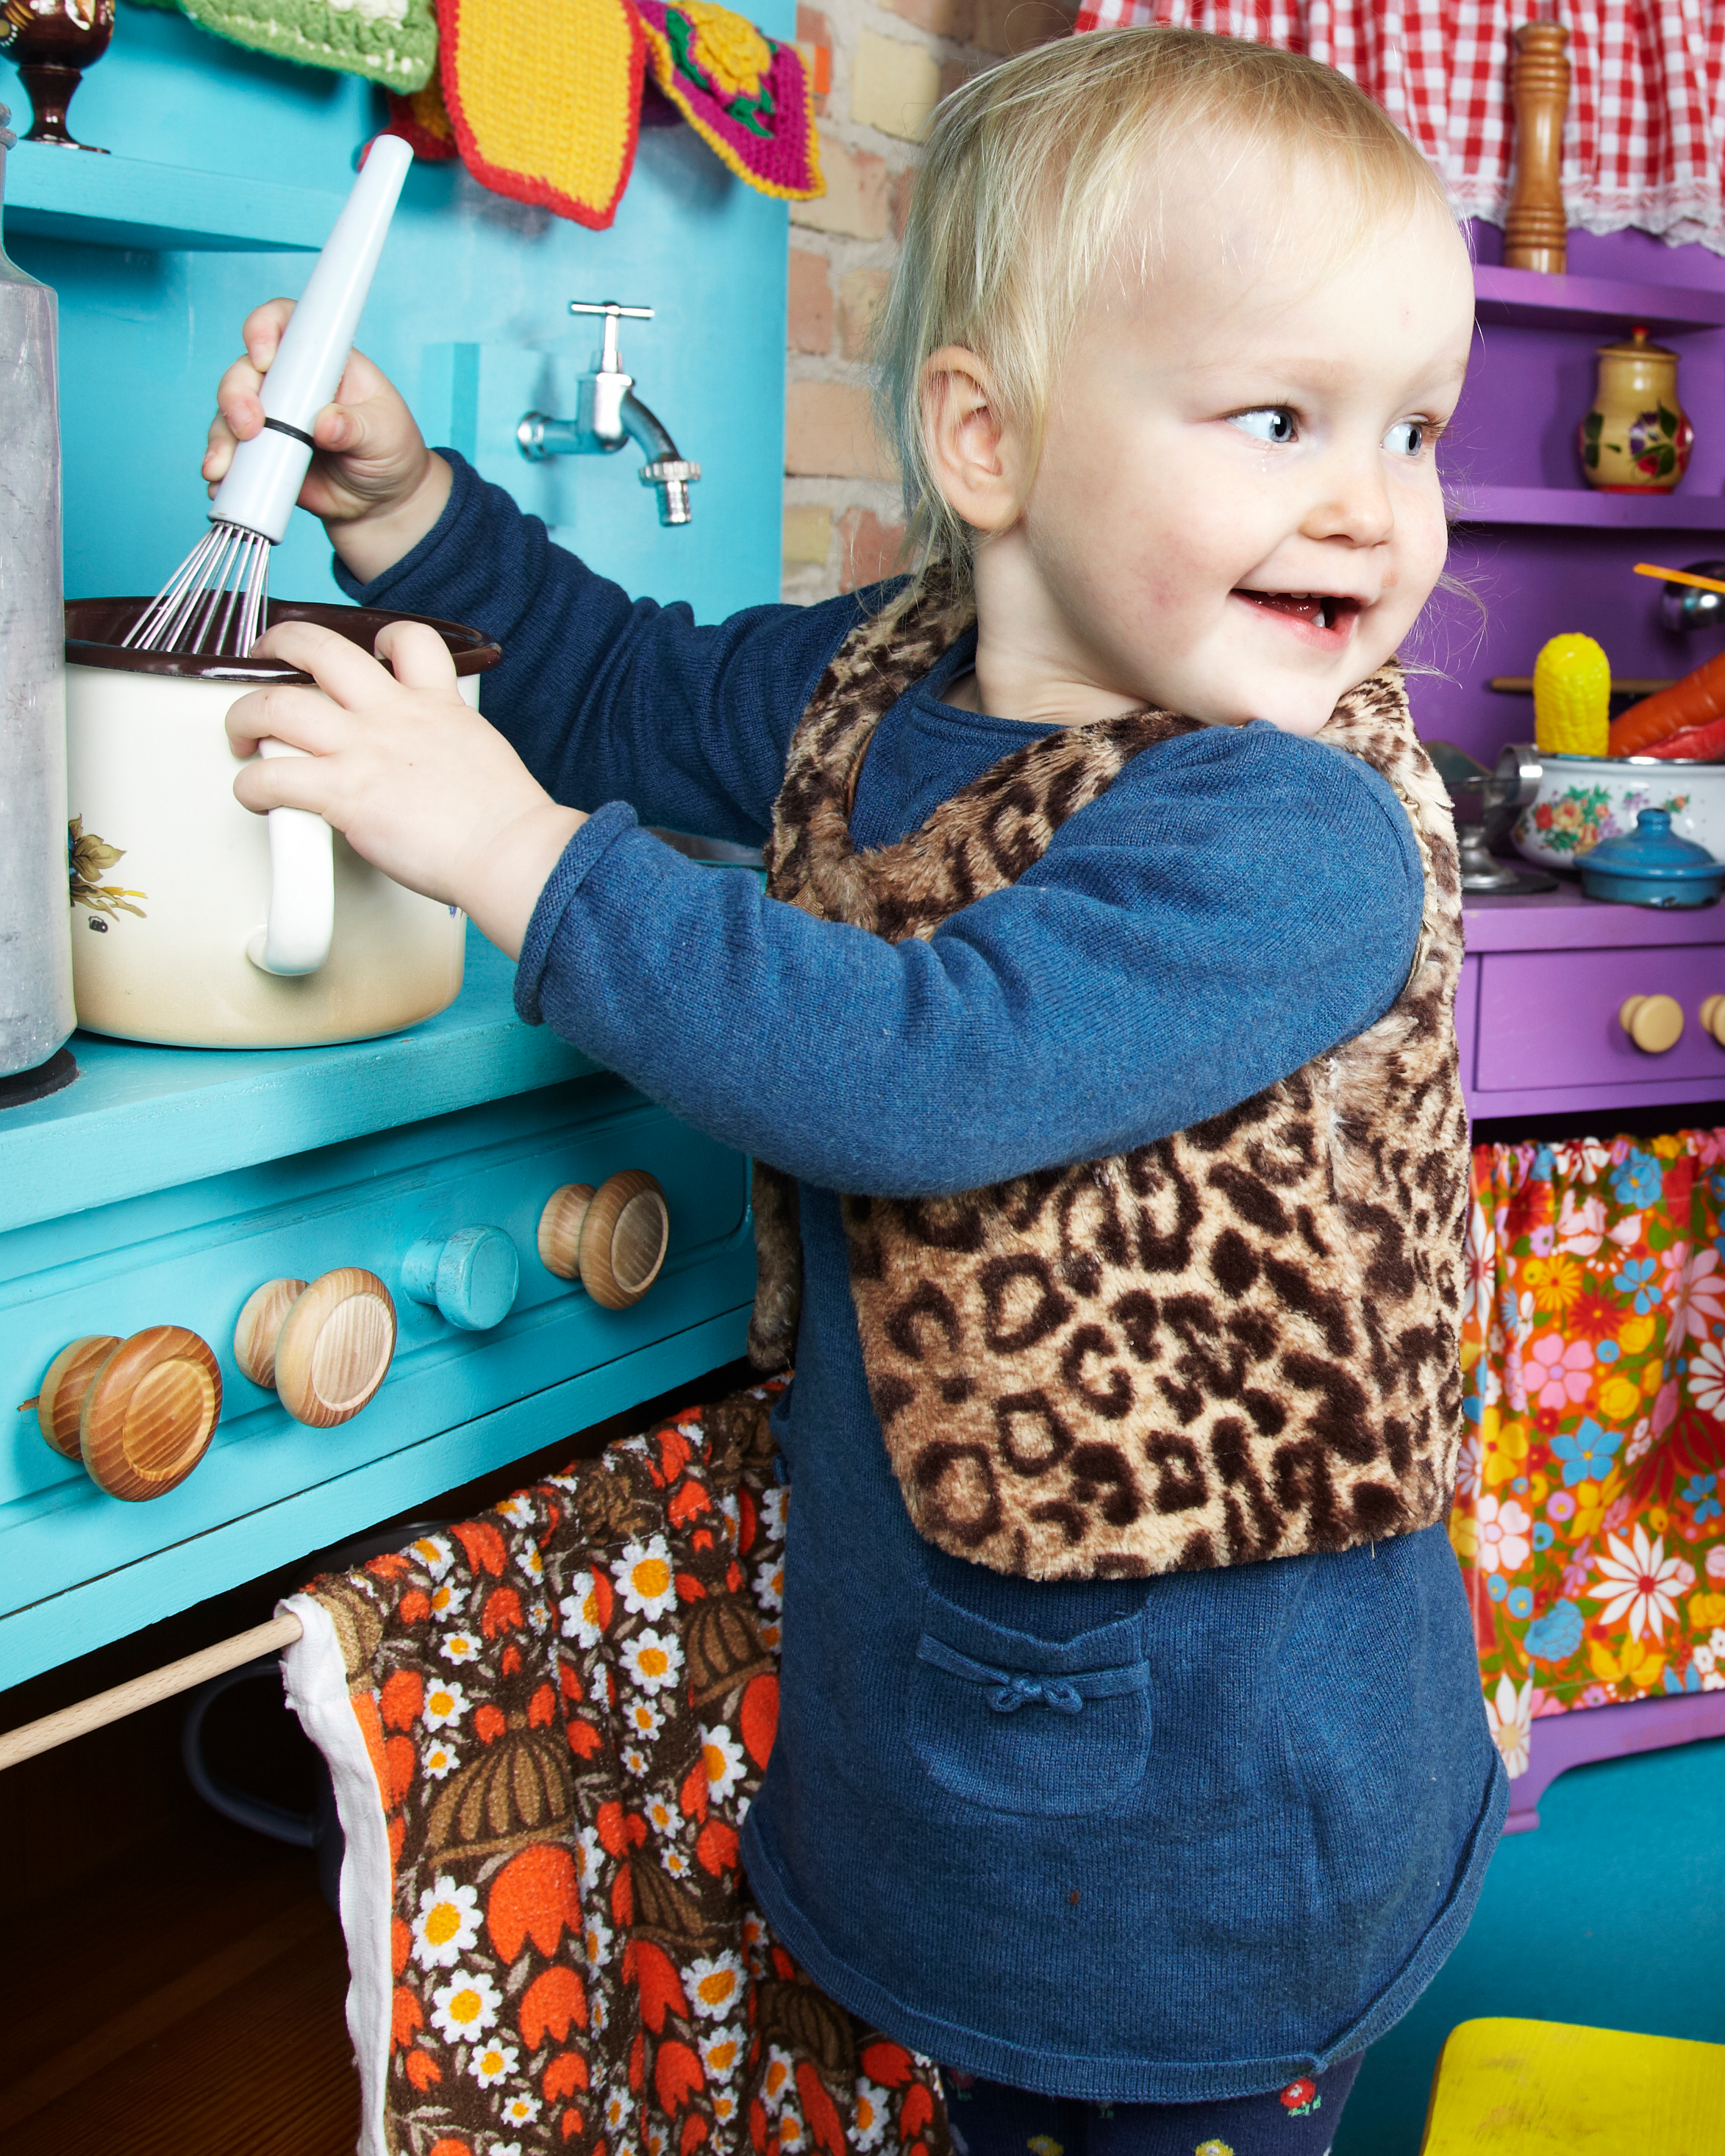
point(177, 1982)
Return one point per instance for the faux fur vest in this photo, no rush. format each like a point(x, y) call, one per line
point(1238, 1343)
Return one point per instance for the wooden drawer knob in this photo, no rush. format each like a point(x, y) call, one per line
point(471, 1276)
point(324, 1349)
point(144, 1409)
point(1654, 1023)
point(60, 1405)
point(624, 1234)
point(1712, 1017)
point(559, 1237)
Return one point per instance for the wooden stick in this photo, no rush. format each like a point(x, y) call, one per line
point(20, 1744)
point(1536, 230)
point(1622, 684)
point(1679, 577)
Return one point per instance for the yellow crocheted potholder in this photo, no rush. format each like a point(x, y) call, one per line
point(545, 99)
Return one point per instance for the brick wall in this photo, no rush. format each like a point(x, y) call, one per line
point(880, 68)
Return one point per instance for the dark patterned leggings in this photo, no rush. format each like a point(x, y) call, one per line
point(989, 2119)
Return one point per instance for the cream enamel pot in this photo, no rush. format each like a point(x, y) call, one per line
point(197, 924)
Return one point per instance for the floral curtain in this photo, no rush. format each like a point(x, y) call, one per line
point(1589, 1517)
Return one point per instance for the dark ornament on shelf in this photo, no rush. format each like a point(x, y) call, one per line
point(52, 42)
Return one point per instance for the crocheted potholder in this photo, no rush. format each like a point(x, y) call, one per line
point(545, 101)
point(422, 123)
point(749, 97)
point(391, 42)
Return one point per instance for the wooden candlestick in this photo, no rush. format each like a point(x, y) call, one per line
point(1536, 230)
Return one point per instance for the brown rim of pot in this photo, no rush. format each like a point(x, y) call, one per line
point(95, 627)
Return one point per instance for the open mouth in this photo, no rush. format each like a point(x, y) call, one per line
point(1328, 615)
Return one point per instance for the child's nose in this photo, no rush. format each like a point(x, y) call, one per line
point(1351, 501)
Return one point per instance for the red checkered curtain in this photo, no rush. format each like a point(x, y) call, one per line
point(1645, 141)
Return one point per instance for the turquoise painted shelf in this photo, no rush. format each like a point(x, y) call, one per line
point(124, 201)
point(139, 1119)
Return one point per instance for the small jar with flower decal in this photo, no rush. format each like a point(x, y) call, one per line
point(1637, 437)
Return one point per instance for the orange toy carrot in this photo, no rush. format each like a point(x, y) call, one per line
point(1695, 700)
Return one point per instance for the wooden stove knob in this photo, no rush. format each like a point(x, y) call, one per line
point(150, 1412)
point(559, 1237)
point(59, 1405)
point(624, 1234)
point(1654, 1023)
point(1712, 1017)
point(325, 1349)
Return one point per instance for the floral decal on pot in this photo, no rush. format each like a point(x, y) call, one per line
point(89, 859)
point(1589, 1511)
point(1574, 821)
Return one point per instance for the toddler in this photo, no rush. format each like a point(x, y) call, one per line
point(1095, 1035)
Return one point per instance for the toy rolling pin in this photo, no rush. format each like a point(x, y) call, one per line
point(1572, 697)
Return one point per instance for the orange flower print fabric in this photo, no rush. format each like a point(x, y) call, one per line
point(1589, 1513)
point(569, 1703)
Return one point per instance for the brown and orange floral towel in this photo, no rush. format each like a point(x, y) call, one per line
point(544, 1727)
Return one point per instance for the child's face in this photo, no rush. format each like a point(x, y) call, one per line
point(1236, 514)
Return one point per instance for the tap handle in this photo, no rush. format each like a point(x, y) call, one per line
point(614, 312)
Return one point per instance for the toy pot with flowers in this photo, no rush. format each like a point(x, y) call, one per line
point(1637, 437)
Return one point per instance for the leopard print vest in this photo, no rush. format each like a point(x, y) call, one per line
point(1239, 1343)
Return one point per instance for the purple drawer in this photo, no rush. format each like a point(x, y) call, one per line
point(1548, 1019)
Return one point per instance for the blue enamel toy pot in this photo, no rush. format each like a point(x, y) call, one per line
point(1651, 867)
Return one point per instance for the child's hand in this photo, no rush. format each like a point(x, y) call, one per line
point(420, 785)
point(373, 482)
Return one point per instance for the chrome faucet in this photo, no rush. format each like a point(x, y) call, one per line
point(608, 413)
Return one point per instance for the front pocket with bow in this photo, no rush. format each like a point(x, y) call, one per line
point(1010, 1723)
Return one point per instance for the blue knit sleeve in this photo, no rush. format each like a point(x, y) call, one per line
point(609, 698)
point(1237, 902)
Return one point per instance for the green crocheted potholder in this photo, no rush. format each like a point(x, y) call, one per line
point(391, 42)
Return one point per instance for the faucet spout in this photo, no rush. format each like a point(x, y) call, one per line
point(666, 468)
point(609, 413)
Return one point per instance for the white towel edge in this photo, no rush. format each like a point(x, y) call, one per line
point(316, 1681)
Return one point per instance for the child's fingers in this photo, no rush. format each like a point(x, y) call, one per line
point(340, 669)
point(219, 451)
point(239, 399)
point(285, 781)
point(418, 655)
point(261, 332)
point(302, 717)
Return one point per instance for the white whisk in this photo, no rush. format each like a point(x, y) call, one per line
point(215, 603)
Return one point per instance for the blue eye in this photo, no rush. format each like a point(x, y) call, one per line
point(1273, 423)
point(1406, 439)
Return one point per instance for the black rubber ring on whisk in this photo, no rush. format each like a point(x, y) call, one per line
point(281, 426)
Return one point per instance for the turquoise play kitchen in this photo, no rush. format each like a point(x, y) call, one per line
point(489, 1242)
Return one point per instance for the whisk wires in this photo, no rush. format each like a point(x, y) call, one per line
point(214, 604)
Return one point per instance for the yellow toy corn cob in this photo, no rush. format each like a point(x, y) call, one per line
point(1572, 697)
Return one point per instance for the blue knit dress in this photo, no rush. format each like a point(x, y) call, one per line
point(1267, 1826)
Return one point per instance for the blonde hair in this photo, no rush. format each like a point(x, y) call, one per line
point(1029, 176)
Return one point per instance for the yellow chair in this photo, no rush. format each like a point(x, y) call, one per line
point(1544, 2088)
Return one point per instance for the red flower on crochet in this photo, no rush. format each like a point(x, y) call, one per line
point(1298, 2094)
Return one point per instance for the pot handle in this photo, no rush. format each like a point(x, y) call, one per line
point(296, 938)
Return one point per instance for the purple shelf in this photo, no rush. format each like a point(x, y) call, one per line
point(1563, 506)
point(1526, 298)
point(1563, 920)
point(1578, 1738)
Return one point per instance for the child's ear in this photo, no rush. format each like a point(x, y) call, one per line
point(970, 448)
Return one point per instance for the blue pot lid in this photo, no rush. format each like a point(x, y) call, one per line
point(1652, 851)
